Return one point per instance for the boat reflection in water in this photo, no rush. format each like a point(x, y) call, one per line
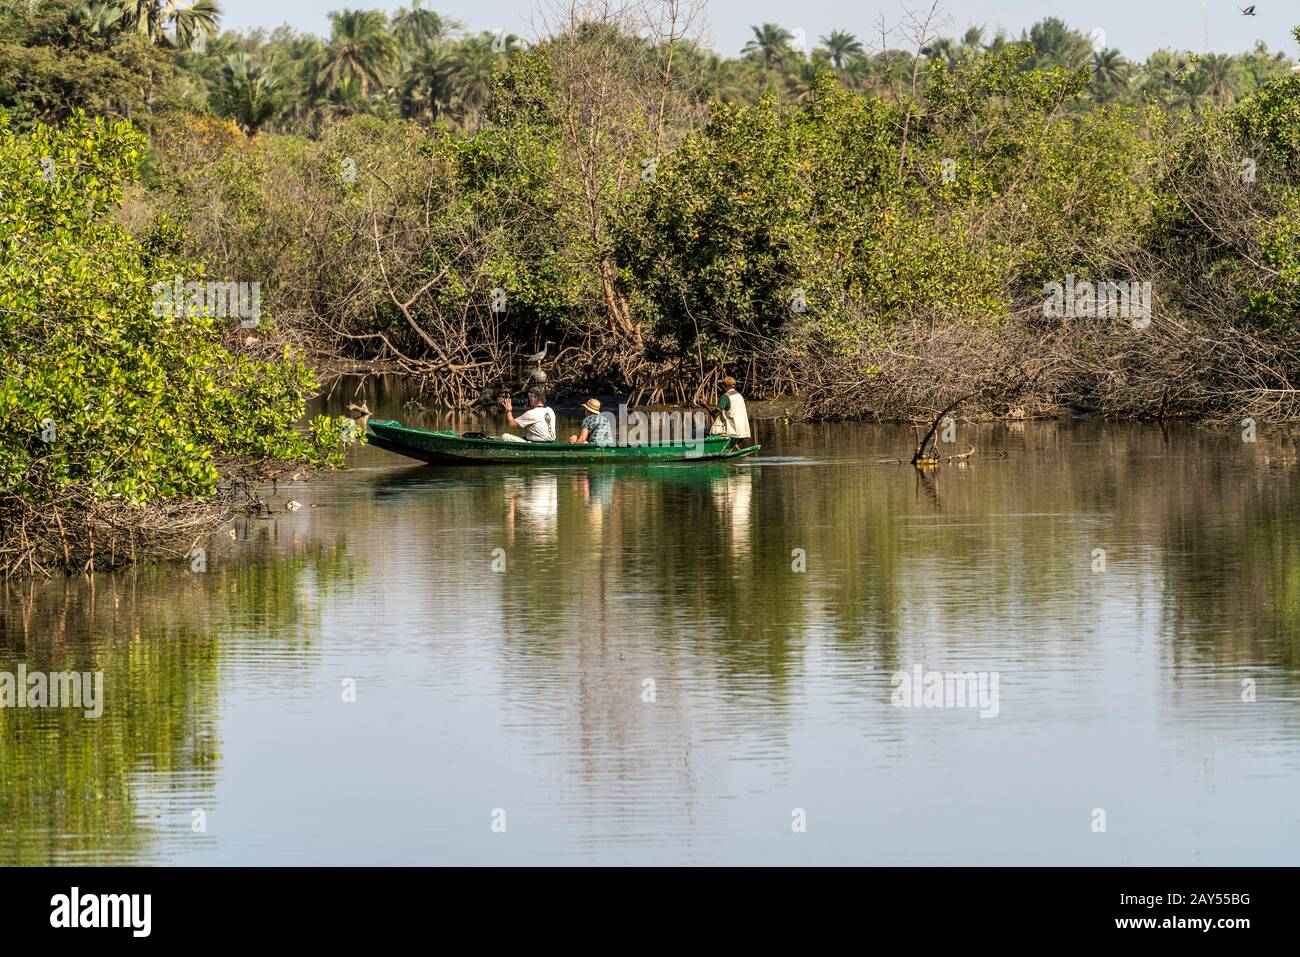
point(732, 494)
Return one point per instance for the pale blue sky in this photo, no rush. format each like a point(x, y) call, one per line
point(1136, 27)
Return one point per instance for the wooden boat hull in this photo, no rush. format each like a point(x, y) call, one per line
point(445, 448)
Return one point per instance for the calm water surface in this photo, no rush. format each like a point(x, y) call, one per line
point(480, 691)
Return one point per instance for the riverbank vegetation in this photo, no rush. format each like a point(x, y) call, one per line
point(870, 227)
point(876, 228)
point(124, 428)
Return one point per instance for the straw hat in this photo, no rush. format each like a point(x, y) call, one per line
point(729, 382)
point(592, 406)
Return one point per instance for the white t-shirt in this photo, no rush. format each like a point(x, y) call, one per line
point(734, 420)
point(538, 424)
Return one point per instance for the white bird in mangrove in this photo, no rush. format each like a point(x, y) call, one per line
point(539, 356)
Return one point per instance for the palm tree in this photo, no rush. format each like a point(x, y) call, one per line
point(842, 46)
point(473, 62)
point(416, 27)
point(424, 90)
point(168, 22)
point(771, 44)
point(1220, 76)
point(296, 64)
point(1109, 70)
point(248, 94)
point(343, 99)
point(946, 50)
point(98, 20)
point(803, 77)
point(360, 49)
point(724, 80)
point(1195, 85)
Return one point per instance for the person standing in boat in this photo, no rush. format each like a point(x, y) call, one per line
point(594, 428)
point(538, 422)
point(733, 420)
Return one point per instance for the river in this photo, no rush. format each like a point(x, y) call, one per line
point(696, 663)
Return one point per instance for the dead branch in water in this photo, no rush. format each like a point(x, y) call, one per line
point(920, 447)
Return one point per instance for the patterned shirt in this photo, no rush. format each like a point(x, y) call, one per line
point(597, 427)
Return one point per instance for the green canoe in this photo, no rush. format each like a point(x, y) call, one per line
point(448, 447)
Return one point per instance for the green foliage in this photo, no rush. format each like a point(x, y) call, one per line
point(1268, 123)
point(248, 94)
point(167, 22)
point(1271, 119)
point(759, 204)
point(1054, 45)
point(361, 49)
point(1229, 209)
point(1044, 186)
point(876, 190)
point(120, 57)
point(1277, 304)
point(54, 59)
point(518, 180)
point(139, 404)
point(825, 197)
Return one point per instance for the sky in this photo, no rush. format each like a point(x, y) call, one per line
point(1135, 27)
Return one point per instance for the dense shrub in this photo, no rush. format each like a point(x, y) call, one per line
point(104, 395)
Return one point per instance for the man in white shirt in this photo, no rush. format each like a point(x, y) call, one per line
point(733, 419)
point(538, 422)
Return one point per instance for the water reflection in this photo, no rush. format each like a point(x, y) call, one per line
point(532, 502)
point(118, 787)
point(631, 663)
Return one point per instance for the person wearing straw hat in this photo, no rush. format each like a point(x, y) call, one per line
point(595, 427)
point(732, 420)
